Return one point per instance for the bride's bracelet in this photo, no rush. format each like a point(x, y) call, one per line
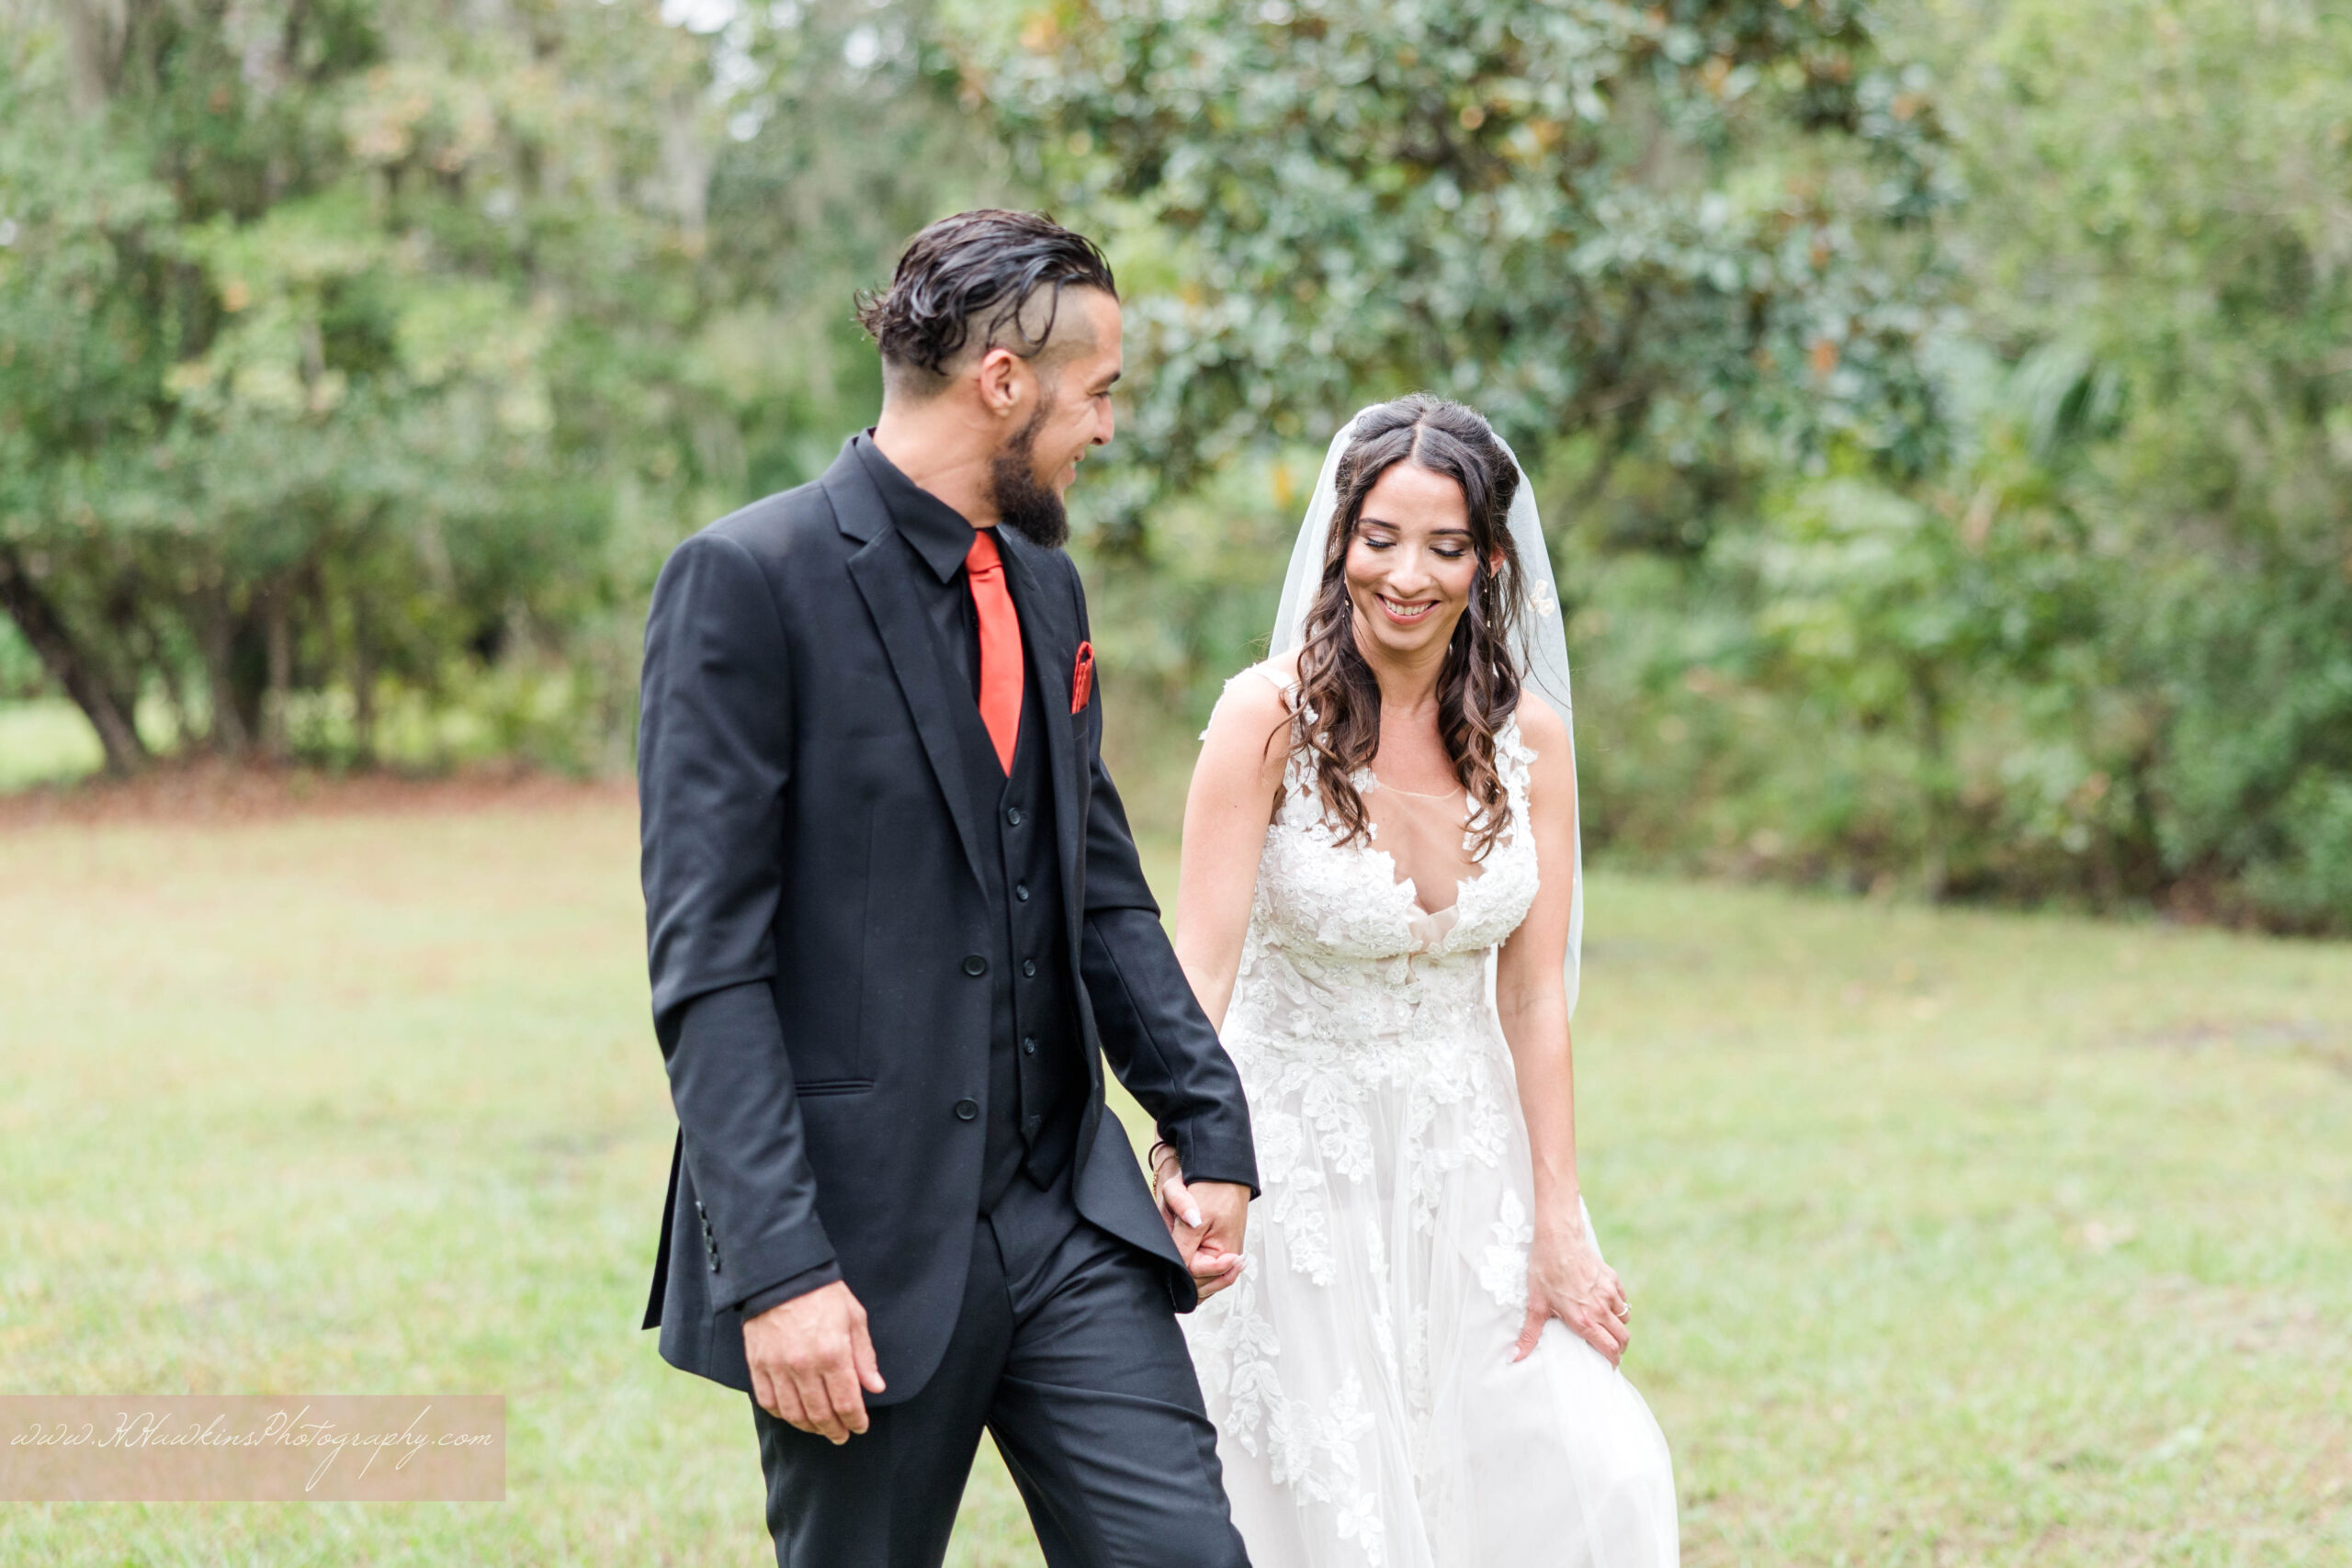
point(1152, 1159)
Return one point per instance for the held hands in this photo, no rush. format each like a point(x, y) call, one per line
point(812, 1363)
point(1567, 1280)
point(1205, 1218)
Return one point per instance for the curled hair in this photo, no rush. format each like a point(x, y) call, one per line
point(976, 272)
point(1478, 685)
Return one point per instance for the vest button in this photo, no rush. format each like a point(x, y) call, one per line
point(966, 1110)
point(1021, 891)
point(1029, 1047)
point(1013, 815)
point(1029, 967)
point(976, 965)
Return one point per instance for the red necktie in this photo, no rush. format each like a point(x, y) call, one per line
point(1000, 645)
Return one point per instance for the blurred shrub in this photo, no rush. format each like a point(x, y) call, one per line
point(2103, 650)
point(20, 672)
point(1181, 602)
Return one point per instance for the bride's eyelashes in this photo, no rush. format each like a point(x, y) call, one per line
point(1385, 542)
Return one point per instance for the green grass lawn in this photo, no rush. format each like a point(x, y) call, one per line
point(1956, 1238)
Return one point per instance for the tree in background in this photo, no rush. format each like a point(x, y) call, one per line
point(347, 348)
point(1642, 227)
point(288, 293)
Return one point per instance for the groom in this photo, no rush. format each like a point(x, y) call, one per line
point(896, 921)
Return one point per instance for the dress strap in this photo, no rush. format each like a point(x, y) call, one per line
point(1299, 771)
point(1286, 684)
point(1512, 751)
point(1514, 759)
point(1281, 679)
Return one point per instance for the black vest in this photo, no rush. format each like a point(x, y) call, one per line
point(1036, 1079)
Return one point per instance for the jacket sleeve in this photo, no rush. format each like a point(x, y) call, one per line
point(1158, 1039)
point(714, 760)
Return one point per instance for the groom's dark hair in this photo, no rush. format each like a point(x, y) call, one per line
point(976, 278)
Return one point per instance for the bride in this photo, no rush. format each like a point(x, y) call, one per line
point(1413, 1363)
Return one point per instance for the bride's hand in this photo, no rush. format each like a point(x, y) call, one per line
point(1567, 1280)
point(1205, 1219)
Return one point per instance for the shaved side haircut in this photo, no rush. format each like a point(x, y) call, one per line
point(982, 279)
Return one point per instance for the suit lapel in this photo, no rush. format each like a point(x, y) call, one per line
point(885, 572)
point(1049, 640)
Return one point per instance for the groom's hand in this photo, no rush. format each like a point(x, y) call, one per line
point(812, 1363)
point(1206, 1220)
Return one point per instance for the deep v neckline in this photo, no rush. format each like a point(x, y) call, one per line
point(1398, 879)
point(1416, 906)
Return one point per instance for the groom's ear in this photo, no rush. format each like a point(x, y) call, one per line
point(1005, 381)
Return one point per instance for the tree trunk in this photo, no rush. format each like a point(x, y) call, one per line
point(363, 679)
point(229, 736)
point(70, 666)
point(173, 672)
point(94, 30)
point(1935, 859)
point(276, 744)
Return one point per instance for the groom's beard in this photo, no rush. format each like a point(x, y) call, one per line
point(1030, 509)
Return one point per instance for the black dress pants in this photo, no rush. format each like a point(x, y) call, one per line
point(1069, 1353)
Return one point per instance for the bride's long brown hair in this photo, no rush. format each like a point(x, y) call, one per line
point(1478, 685)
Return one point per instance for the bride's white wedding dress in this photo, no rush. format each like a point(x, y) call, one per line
point(1368, 1412)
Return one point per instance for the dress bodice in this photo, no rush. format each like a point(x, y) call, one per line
point(1330, 907)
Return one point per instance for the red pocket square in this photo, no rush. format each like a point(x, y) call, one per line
point(1081, 681)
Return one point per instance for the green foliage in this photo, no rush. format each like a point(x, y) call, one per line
point(845, 136)
point(20, 666)
point(2135, 601)
point(1940, 407)
point(2164, 190)
point(1649, 224)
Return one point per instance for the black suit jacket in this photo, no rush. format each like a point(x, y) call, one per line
point(814, 906)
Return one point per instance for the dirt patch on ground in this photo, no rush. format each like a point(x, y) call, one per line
point(2251, 1320)
point(211, 794)
point(2322, 1043)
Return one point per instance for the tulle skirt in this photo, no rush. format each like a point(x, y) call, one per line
point(1360, 1373)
